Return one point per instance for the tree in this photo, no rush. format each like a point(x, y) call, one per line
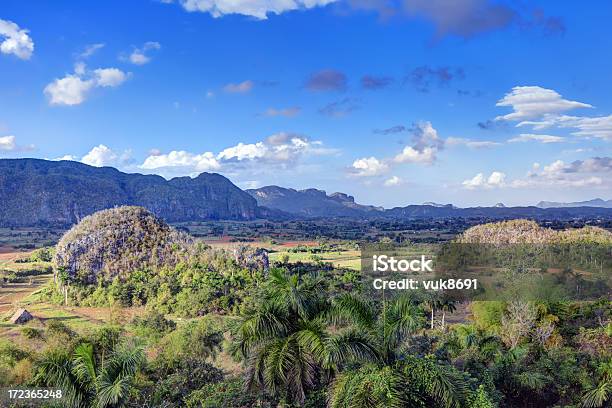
point(284, 340)
point(394, 377)
point(90, 380)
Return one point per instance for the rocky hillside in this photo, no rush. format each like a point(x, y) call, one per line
point(311, 202)
point(111, 242)
point(526, 231)
point(40, 192)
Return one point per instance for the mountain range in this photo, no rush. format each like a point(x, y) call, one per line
point(597, 202)
point(41, 192)
point(310, 202)
point(35, 192)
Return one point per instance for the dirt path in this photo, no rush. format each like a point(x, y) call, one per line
point(13, 293)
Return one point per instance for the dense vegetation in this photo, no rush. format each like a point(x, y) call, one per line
point(309, 335)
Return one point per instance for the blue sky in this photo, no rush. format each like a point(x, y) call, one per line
point(472, 102)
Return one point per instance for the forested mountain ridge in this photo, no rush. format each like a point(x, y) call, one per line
point(41, 192)
point(35, 192)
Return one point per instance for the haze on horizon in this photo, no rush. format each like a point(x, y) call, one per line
point(392, 104)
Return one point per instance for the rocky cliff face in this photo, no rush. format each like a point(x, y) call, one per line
point(40, 192)
point(310, 202)
point(115, 242)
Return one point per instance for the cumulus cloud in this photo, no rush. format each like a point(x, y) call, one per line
point(7, 143)
point(424, 147)
point(495, 179)
point(15, 40)
point(139, 56)
point(426, 144)
point(102, 155)
point(410, 155)
point(368, 167)
point(242, 151)
point(287, 112)
point(182, 162)
point(472, 144)
point(73, 89)
point(529, 102)
point(327, 80)
point(69, 90)
point(373, 83)
point(425, 77)
point(529, 137)
point(254, 8)
point(242, 87)
point(281, 149)
point(591, 172)
point(109, 77)
point(393, 181)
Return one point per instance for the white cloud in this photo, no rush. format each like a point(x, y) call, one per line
point(276, 151)
point(90, 50)
point(7, 143)
point(426, 144)
point(109, 77)
point(73, 89)
point(530, 137)
point(368, 167)
point(254, 8)
point(495, 179)
point(241, 87)
point(530, 102)
point(102, 155)
point(591, 172)
point(70, 90)
point(244, 152)
point(410, 155)
point(14, 40)
point(599, 126)
point(68, 157)
point(182, 162)
point(393, 181)
point(139, 55)
point(472, 144)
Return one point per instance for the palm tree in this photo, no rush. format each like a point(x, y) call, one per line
point(296, 340)
point(285, 343)
point(394, 378)
point(600, 395)
point(447, 305)
point(433, 302)
point(89, 380)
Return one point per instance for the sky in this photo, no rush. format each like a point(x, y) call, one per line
point(470, 102)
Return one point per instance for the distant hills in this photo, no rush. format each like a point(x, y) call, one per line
point(311, 202)
point(42, 192)
point(36, 192)
point(597, 202)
